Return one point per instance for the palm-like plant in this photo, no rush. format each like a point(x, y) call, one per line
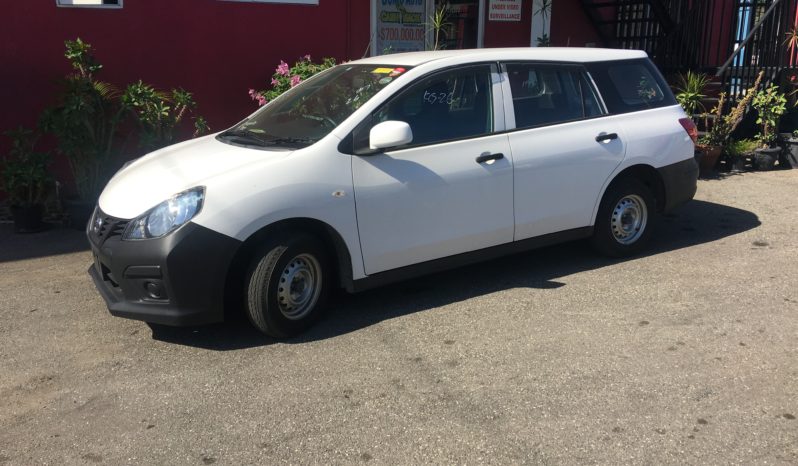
point(690, 92)
point(438, 22)
point(791, 42)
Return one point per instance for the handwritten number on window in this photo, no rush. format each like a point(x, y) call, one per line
point(438, 97)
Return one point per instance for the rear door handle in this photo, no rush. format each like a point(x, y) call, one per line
point(606, 137)
point(489, 157)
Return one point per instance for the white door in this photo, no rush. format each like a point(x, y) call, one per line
point(450, 190)
point(563, 150)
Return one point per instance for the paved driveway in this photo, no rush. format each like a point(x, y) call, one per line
point(686, 355)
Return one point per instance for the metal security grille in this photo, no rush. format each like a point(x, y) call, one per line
point(731, 39)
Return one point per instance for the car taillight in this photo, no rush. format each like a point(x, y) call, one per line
point(690, 127)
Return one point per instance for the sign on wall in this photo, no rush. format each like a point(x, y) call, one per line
point(504, 10)
point(400, 26)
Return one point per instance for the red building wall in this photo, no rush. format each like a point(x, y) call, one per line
point(215, 49)
point(509, 33)
point(570, 25)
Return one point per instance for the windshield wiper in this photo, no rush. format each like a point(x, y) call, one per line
point(289, 140)
point(246, 135)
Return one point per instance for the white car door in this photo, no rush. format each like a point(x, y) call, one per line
point(564, 148)
point(450, 190)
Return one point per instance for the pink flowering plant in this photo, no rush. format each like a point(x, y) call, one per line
point(285, 77)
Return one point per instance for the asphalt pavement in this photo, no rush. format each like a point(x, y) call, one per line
point(687, 354)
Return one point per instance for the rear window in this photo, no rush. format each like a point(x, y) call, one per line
point(635, 85)
point(631, 85)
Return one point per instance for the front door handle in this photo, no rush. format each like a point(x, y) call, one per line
point(606, 137)
point(486, 157)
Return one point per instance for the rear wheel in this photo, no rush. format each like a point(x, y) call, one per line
point(625, 219)
point(287, 285)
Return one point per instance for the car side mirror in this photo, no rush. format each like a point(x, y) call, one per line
point(390, 134)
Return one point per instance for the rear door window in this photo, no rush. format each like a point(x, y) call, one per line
point(549, 94)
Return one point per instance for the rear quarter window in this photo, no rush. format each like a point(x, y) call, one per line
point(631, 85)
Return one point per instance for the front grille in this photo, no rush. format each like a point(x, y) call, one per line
point(104, 226)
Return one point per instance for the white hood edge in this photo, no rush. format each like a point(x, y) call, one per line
point(157, 176)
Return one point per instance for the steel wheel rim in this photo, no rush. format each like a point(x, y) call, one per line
point(629, 218)
point(299, 287)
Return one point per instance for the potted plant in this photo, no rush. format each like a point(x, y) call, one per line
point(790, 150)
point(722, 126)
point(709, 146)
point(25, 179)
point(85, 124)
point(738, 152)
point(690, 92)
point(770, 105)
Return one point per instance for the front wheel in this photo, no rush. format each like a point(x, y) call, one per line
point(625, 219)
point(287, 285)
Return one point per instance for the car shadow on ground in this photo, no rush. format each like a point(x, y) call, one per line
point(51, 241)
point(696, 223)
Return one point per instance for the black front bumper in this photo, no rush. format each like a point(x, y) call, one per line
point(187, 270)
point(680, 180)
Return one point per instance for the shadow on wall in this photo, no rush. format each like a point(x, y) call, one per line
point(696, 223)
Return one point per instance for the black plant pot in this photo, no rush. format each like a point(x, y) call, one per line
point(765, 159)
point(789, 156)
point(28, 219)
point(739, 163)
point(79, 212)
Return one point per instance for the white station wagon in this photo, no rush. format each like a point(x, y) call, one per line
point(390, 167)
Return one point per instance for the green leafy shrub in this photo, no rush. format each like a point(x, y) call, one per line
point(741, 148)
point(85, 121)
point(25, 173)
point(90, 120)
point(159, 113)
point(770, 105)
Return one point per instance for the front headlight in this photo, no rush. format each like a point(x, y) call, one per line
point(166, 216)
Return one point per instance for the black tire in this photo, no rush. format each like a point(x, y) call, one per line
point(269, 297)
point(615, 235)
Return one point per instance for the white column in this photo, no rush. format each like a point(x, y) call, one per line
point(541, 21)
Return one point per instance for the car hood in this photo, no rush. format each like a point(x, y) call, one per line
point(150, 180)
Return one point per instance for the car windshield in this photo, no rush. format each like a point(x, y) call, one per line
point(308, 112)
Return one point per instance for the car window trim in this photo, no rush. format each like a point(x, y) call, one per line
point(579, 67)
point(347, 145)
point(601, 68)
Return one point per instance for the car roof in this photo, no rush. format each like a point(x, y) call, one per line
point(566, 54)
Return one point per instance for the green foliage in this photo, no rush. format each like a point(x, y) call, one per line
point(159, 113)
point(724, 124)
point(690, 92)
point(89, 115)
point(439, 24)
point(770, 105)
point(25, 174)
point(544, 41)
point(286, 77)
point(81, 57)
point(85, 121)
point(741, 148)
